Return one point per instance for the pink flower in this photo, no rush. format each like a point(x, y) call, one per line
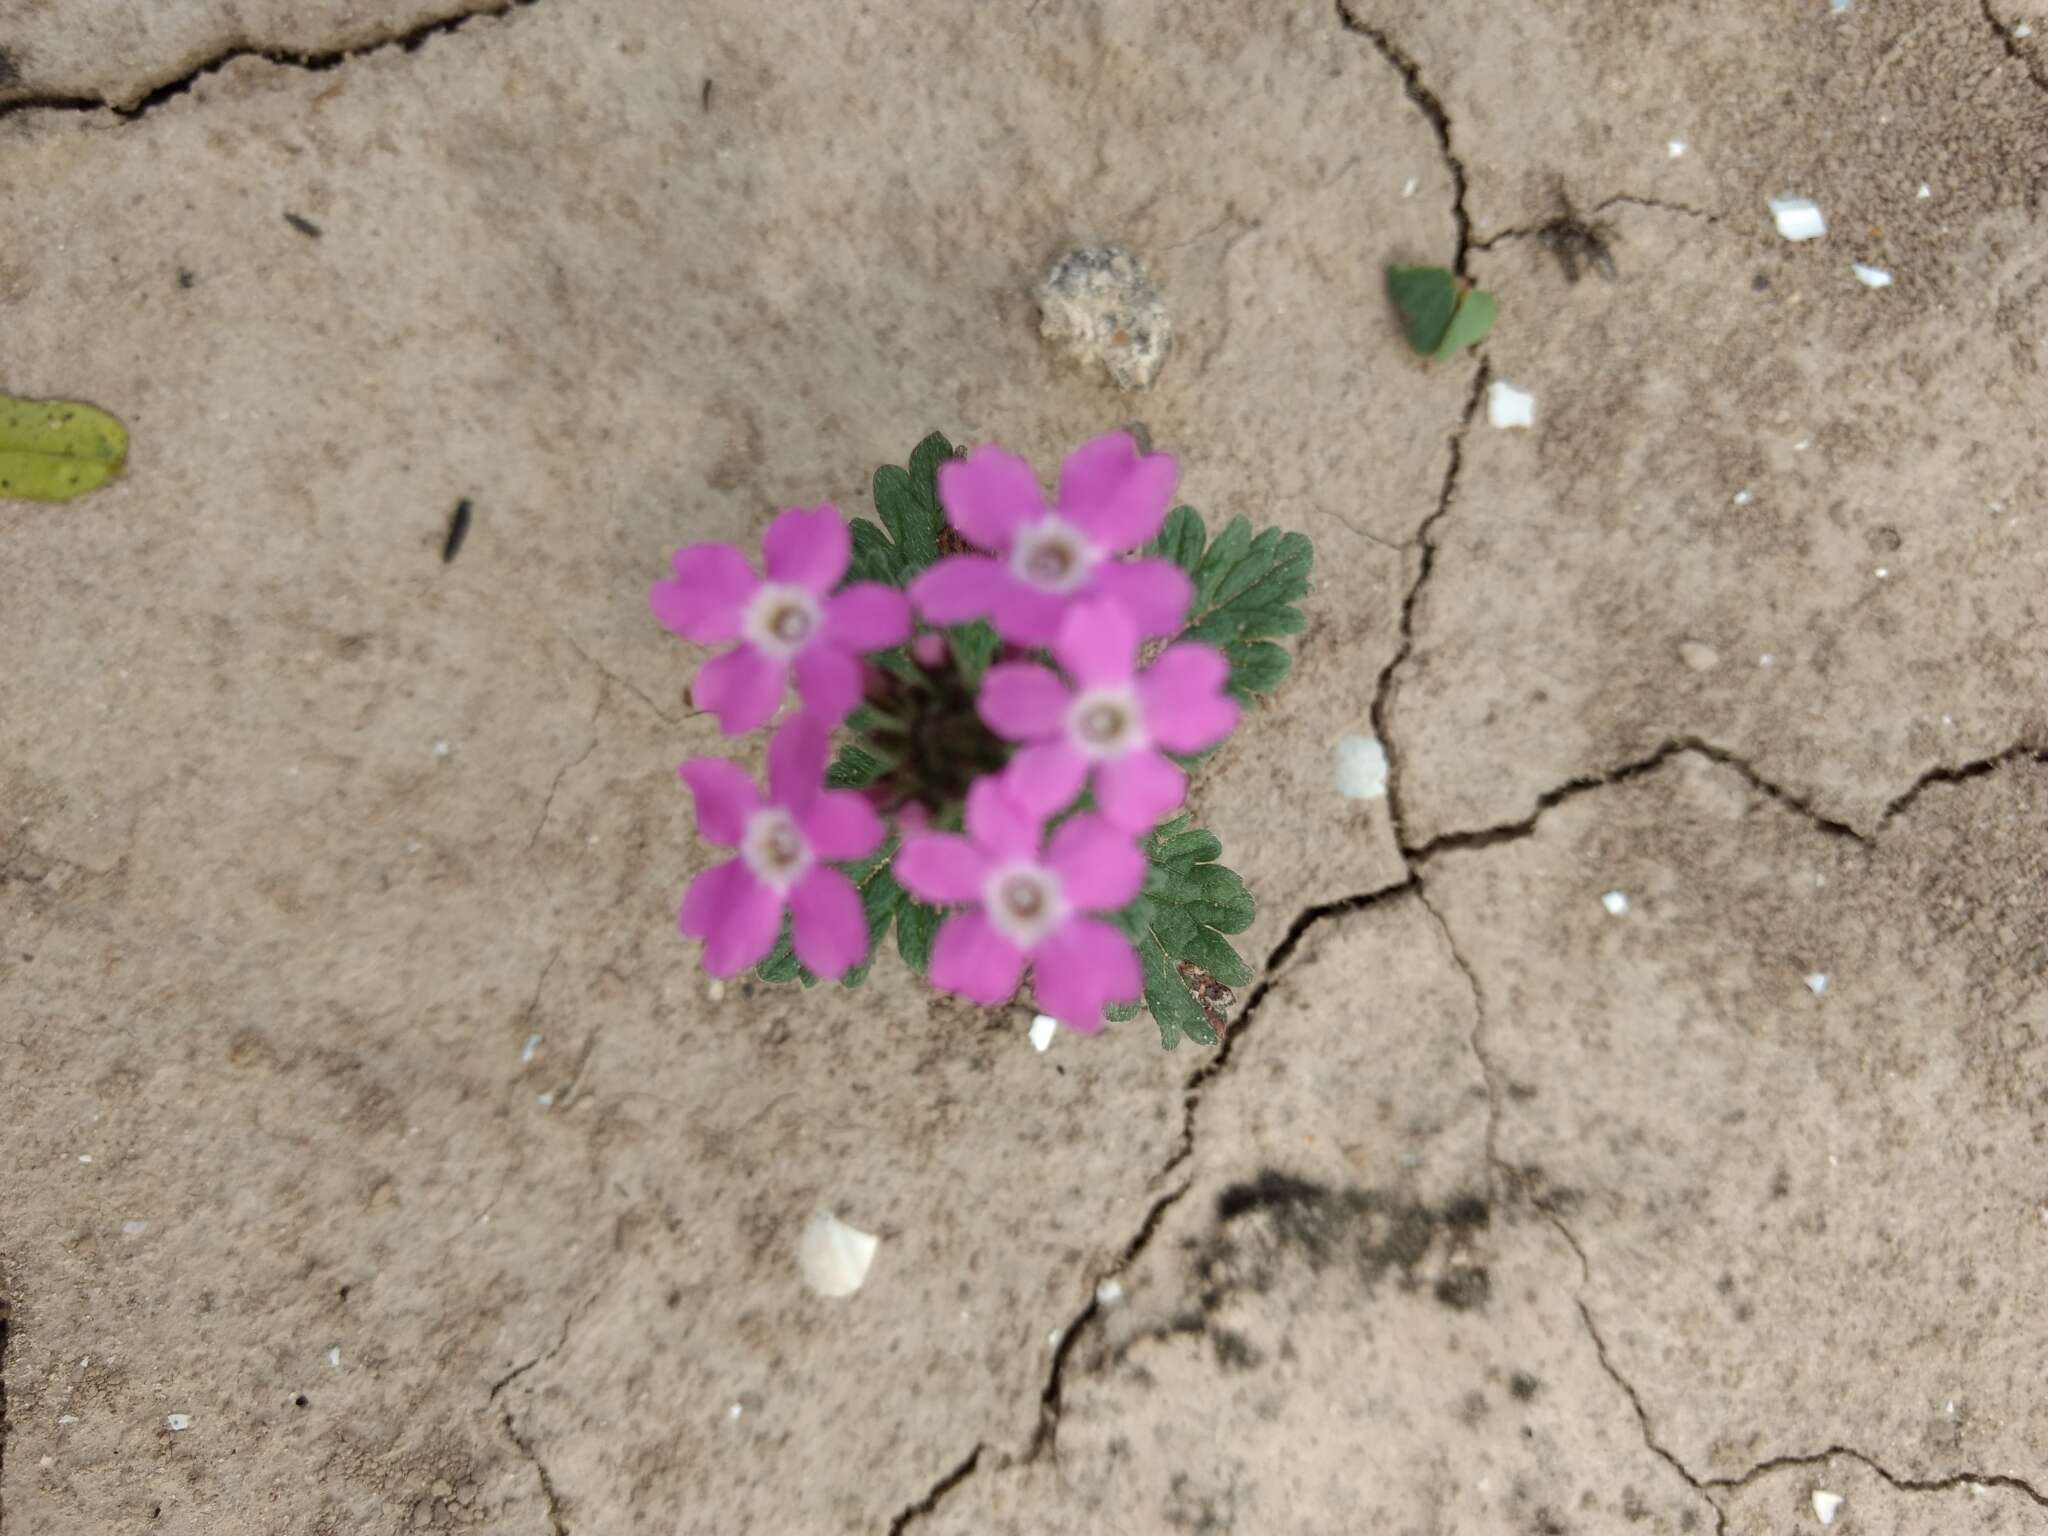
point(736, 907)
point(1113, 723)
point(1028, 905)
point(1112, 498)
point(788, 622)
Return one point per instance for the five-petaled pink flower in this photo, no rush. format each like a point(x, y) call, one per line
point(791, 621)
point(1029, 905)
point(1113, 723)
point(1043, 560)
point(736, 907)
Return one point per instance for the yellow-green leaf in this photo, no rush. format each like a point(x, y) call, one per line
point(53, 450)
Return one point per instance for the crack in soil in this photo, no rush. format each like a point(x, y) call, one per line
point(314, 61)
point(4, 1312)
point(1432, 108)
point(1618, 200)
point(938, 1491)
point(556, 1524)
point(1902, 1484)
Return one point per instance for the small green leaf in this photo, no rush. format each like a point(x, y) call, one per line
point(854, 768)
point(1425, 298)
point(925, 460)
point(974, 646)
point(54, 450)
point(907, 501)
point(1173, 1007)
point(1190, 902)
point(916, 926)
point(874, 557)
point(880, 900)
point(1257, 666)
point(911, 522)
point(1469, 326)
point(1246, 588)
point(782, 964)
point(1181, 539)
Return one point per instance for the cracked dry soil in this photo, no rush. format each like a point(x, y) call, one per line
point(362, 1110)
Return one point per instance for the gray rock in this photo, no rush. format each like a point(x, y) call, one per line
point(1097, 304)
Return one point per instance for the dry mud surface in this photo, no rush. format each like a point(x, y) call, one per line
point(1497, 1211)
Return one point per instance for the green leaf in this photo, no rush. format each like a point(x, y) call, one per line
point(974, 646)
point(854, 768)
point(916, 926)
point(1425, 298)
point(1190, 902)
point(1181, 539)
point(880, 899)
point(1257, 666)
point(1246, 588)
point(907, 501)
point(782, 963)
point(54, 450)
point(1468, 326)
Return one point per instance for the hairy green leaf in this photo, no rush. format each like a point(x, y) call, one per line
point(916, 926)
point(907, 501)
point(1180, 539)
point(1247, 586)
point(53, 450)
point(1178, 925)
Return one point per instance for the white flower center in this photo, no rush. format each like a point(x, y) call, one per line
point(774, 847)
point(780, 619)
point(1024, 903)
point(1052, 555)
point(1105, 723)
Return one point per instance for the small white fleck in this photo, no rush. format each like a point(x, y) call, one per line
point(1616, 903)
point(413, 845)
point(545, 1100)
point(716, 991)
point(1408, 190)
point(526, 1051)
point(1507, 406)
point(1817, 983)
point(734, 1411)
point(1052, 1339)
point(178, 1421)
point(1802, 445)
point(1361, 768)
point(1871, 277)
point(1109, 1293)
point(833, 1256)
point(2024, 29)
point(1767, 660)
point(68, 1418)
point(441, 749)
point(1676, 149)
point(1798, 218)
point(1837, 7)
point(134, 1228)
point(1043, 1028)
point(1744, 497)
point(1883, 571)
point(1925, 192)
point(334, 1356)
point(1825, 1504)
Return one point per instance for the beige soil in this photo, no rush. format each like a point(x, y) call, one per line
point(1496, 1213)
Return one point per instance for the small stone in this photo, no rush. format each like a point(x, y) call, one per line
point(833, 1256)
point(1817, 983)
point(1109, 1293)
point(1616, 903)
point(1825, 1505)
point(177, 1423)
point(1099, 306)
point(1507, 406)
point(1798, 218)
point(1871, 277)
point(1361, 768)
point(1701, 658)
point(1043, 1028)
point(1676, 149)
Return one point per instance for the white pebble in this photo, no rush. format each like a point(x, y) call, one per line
point(1408, 189)
point(735, 1411)
point(1743, 498)
point(716, 991)
point(1871, 277)
point(1109, 1293)
point(1925, 192)
point(526, 1051)
point(1361, 768)
point(1883, 571)
point(1676, 149)
point(1507, 406)
point(134, 1228)
point(1836, 7)
point(1616, 903)
point(1767, 660)
point(68, 1418)
point(1817, 983)
point(1043, 1028)
point(1825, 1504)
point(441, 749)
point(1798, 218)
point(833, 1256)
point(545, 1100)
point(85, 1157)
point(334, 1356)
point(178, 1421)
point(2024, 29)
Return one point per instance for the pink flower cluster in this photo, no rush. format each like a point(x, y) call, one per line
point(1029, 884)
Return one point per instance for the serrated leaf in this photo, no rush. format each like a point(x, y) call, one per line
point(1425, 298)
point(54, 450)
point(1190, 902)
point(1214, 888)
point(1469, 326)
point(1179, 850)
point(913, 523)
point(1246, 588)
point(880, 900)
point(907, 501)
point(874, 557)
point(925, 460)
point(1215, 955)
point(1180, 539)
point(1257, 666)
point(1172, 1006)
point(782, 963)
point(916, 926)
point(855, 767)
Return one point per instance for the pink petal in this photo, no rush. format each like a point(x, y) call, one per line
point(826, 922)
point(1020, 700)
point(840, 824)
point(1186, 708)
point(808, 548)
point(1139, 788)
point(1115, 495)
point(1100, 866)
point(1024, 615)
point(997, 822)
point(942, 868)
point(711, 587)
point(1083, 966)
point(970, 958)
point(1155, 593)
point(867, 617)
point(735, 915)
point(796, 760)
point(742, 687)
point(1045, 777)
point(958, 588)
point(725, 798)
point(1097, 642)
point(988, 493)
point(828, 680)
